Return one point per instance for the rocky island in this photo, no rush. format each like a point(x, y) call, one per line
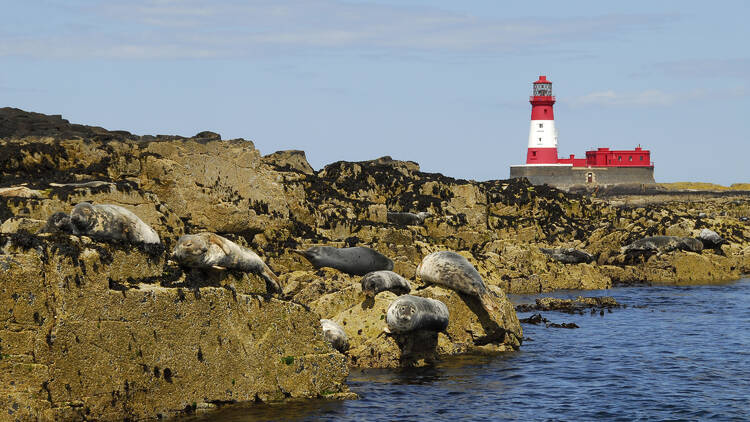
point(108, 330)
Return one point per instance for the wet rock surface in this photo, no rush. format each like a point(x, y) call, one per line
point(570, 306)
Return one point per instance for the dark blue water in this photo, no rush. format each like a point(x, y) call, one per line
point(676, 353)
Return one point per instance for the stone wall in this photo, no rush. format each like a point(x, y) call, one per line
point(565, 176)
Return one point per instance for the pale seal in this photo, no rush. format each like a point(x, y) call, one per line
point(358, 260)
point(380, 281)
point(662, 244)
point(409, 313)
point(407, 218)
point(209, 250)
point(451, 270)
point(710, 239)
point(104, 222)
point(568, 255)
point(335, 335)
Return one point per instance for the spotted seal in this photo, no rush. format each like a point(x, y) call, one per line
point(335, 335)
point(209, 250)
point(662, 244)
point(568, 255)
point(408, 313)
point(358, 260)
point(407, 218)
point(104, 222)
point(380, 281)
point(451, 270)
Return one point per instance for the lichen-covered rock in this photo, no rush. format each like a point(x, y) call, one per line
point(93, 332)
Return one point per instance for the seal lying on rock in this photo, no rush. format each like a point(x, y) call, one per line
point(710, 239)
point(568, 256)
point(455, 272)
point(662, 244)
point(105, 222)
point(407, 218)
point(358, 260)
point(209, 250)
point(380, 281)
point(335, 335)
point(409, 313)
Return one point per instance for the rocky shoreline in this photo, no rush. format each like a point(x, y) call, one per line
point(109, 331)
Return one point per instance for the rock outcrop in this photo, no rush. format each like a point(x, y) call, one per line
point(93, 327)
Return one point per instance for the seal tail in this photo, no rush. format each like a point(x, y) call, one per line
point(271, 277)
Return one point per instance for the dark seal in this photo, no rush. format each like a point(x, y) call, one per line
point(358, 260)
point(380, 281)
point(568, 255)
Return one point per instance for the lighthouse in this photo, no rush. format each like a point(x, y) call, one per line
point(602, 166)
point(542, 134)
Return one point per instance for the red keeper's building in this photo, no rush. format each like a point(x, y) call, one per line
point(600, 167)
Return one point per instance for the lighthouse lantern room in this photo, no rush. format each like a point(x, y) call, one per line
point(542, 134)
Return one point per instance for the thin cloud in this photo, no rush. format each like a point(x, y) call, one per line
point(142, 29)
point(612, 98)
point(653, 97)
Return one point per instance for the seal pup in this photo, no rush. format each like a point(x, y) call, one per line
point(568, 255)
point(451, 270)
point(380, 281)
point(335, 335)
point(107, 222)
point(407, 218)
point(209, 250)
point(358, 260)
point(408, 313)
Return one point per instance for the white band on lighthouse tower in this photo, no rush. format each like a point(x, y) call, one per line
point(542, 134)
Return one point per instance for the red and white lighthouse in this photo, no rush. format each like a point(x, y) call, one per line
point(542, 134)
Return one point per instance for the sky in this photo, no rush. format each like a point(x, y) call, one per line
point(442, 83)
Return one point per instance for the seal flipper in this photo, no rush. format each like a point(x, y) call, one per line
point(218, 241)
point(271, 278)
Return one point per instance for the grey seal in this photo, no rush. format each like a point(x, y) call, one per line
point(451, 270)
point(380, 281)
point(407, 218)
point(568, 255)
point(408, 313)
point(710, 239)
point(358, 260)
point(335, 335)
point(105, 222)
point(662, 244)
point(209, 250)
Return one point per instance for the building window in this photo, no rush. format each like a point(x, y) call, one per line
point(619, 158)
point(641, 158)
point(541, 125)
point(533, 153)
point(540, 140)
point(630, 158)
